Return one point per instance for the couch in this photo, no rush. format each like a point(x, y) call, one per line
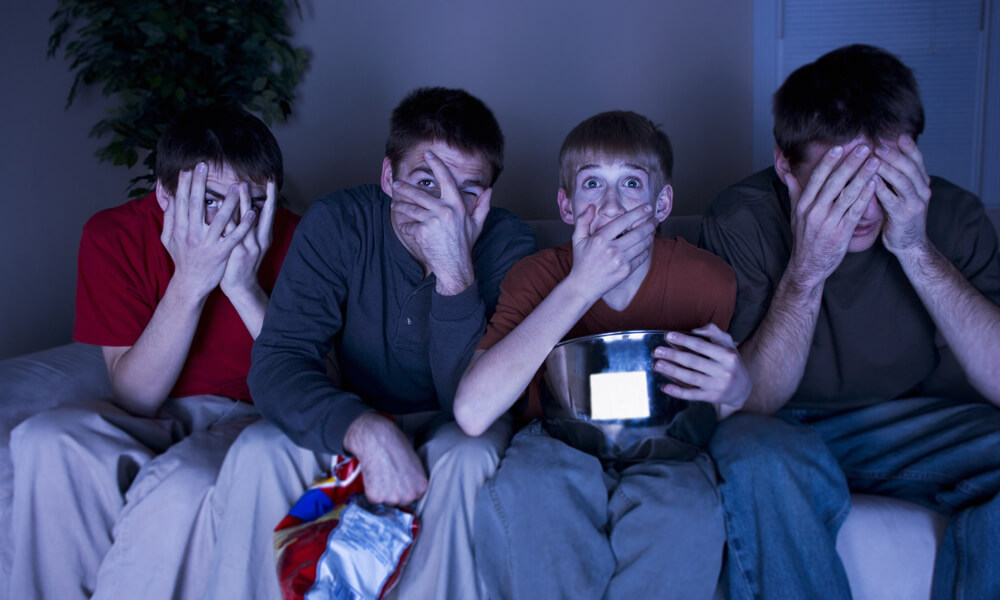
point(887, 545)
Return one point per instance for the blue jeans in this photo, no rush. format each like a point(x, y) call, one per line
point(553, 522)
point(786, 482)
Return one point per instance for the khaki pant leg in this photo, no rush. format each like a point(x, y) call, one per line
point(164, 535)
point(72, 467)
point(442, 564)
point(261, 478)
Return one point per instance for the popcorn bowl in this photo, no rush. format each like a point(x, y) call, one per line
point(604, 397)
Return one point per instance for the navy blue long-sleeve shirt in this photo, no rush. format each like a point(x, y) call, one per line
point(349, 284)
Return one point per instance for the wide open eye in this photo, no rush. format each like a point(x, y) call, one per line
point(590, 183)
point(633, 182)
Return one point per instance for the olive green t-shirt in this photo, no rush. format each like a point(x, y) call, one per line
point(874, 339)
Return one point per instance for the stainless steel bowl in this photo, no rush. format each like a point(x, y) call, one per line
point(605, 398)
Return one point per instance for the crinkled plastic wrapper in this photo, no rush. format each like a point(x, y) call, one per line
point(332, 545)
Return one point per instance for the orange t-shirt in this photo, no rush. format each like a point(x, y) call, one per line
point(685, 288)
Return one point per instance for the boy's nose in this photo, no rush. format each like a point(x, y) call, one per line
point(611, 205)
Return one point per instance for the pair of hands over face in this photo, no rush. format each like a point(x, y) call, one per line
point(855, 193)
point(216, 245)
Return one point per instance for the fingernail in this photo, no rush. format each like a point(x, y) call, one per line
point(836, 151)
point(202, 167)
point(647, 208)
point(881, 149)
point(861, 150)
point(871, 164)
point(234, 189)
point(396, 184)
point(671, 336)
point(428, 154)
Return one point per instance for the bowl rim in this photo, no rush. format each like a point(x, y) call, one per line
point(610, 334)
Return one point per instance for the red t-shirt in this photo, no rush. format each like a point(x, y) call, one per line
point(122, 273)
point(685, 288)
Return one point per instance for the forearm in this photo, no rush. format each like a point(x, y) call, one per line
point(144, 374)
point(454, 278)
point(968, 320)
point(497, 377)
point(776, 353)
point(293, 391)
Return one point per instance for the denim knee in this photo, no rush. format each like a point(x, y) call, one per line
point(768, 454)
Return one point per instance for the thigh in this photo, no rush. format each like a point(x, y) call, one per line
point(936, 452)
point(541, 522)
point(667, 530)
point(92, 440)
point(189, 468)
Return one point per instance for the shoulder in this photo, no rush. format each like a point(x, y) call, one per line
point(696, 262)
point(501, 224)
point(136, 223)
point(536, 275)
point(134, 212)
point(343, 212)
point(550, 263)
point(952, 204)
point(759, 193)
point(360, 200)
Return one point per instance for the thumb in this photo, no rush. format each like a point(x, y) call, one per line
point(581, 224)
point(482, 207)
point(168, 222)
point(794, 190)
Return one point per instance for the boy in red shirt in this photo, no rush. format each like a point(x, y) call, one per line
point(173, 287)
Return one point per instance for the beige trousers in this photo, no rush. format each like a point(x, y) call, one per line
point(265, 473)
point(107, 504)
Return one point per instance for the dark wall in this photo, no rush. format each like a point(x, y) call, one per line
point(541, 66)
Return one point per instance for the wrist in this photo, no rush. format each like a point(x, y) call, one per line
point(186, 292)
point(802, 281)
point(361, 431)
point(582, 288)
point(244, 293)
point(917, 253)
point(451, 282)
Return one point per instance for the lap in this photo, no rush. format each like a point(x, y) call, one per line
point(937, 452)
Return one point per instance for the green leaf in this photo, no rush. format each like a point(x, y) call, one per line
point(153, 58)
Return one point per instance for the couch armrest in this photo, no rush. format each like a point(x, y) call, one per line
point(61, 375)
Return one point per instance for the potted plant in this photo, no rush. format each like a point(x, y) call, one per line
point(156, 57)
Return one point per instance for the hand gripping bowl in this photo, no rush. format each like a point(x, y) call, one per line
point(605, 399)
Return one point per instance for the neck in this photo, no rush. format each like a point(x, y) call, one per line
point(620, 296)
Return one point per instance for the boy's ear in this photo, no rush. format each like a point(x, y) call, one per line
point(781, 164)
point(565, 208)
point(664, 203)
point(386, 179)
point(162, 195)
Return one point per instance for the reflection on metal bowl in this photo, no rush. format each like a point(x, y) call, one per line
point(605, 398)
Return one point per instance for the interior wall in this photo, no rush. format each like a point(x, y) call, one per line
point(541, 66)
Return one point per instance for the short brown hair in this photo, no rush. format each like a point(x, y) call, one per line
point(853, 90)
point(217, 135)
point(452, 116)
point(617, 134)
